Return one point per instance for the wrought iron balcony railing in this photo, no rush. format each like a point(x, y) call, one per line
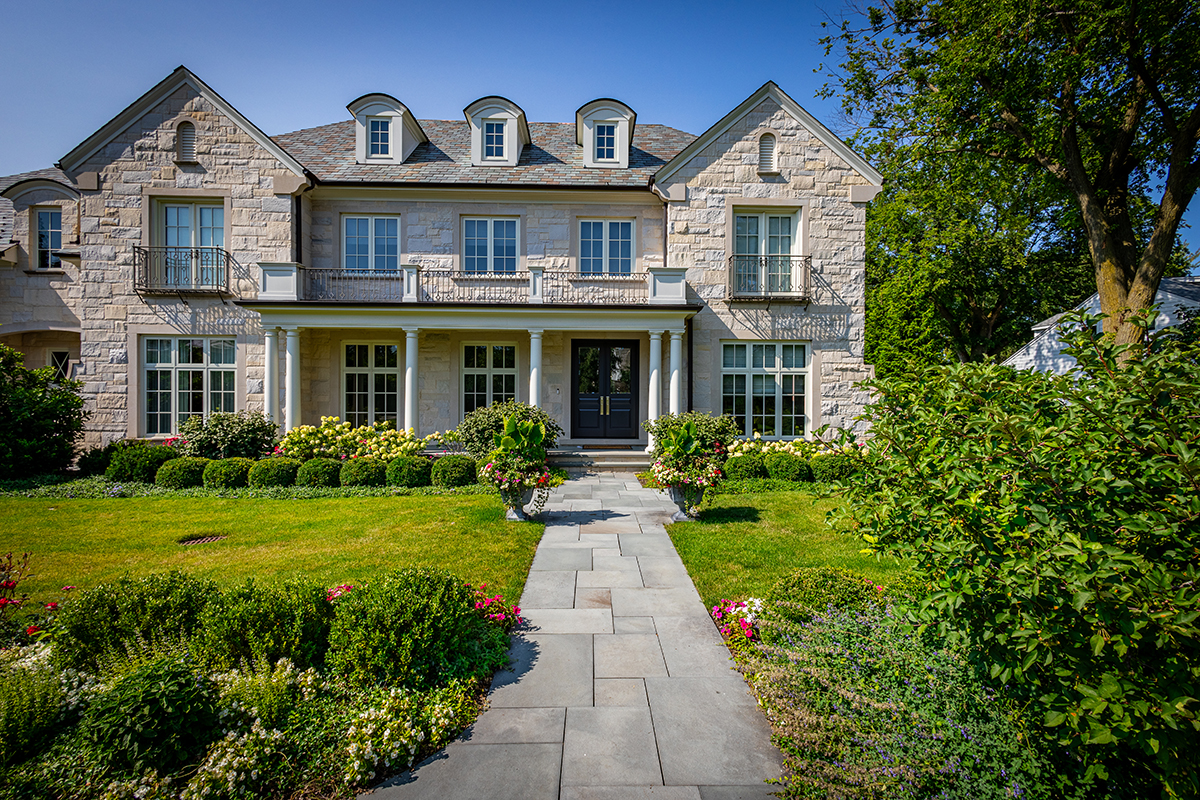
point(182, 270)
point(770, 277)
point(456, 286)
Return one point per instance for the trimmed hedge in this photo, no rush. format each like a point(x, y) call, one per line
point(811, 590)
point(787, 467)
point(363, 472)
point(274, 472)
point(451, 471)
point(138, 463)
point(747, 467)
point(252, 623)
point(324, 472)
point(185, 472)
point(227, 473)
point(833, 467)
point(410, 472)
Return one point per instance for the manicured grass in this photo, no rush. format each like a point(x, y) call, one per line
point(344, 540)
point(742, 544)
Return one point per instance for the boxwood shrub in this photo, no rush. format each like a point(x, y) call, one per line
point(476, 430)
point(740, 468)
point(410, 471)
point(811, 590)
point(227, 473)
point(185, 472)
point(274, 472)
point(324, 472)
point(138, 463)
point(255, 623)
point(833, 467)
point(363, 472)
point(787, 467)
point(456, 470)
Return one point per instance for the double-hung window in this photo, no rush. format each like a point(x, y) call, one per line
point(187, 377)
point(371, 373)
point(489, 375)
point(606, 141)
point(493, 138)
point(605, 246)
point(763, 246)
point(371, 243)
point(49, 237)
point(380, 137)
point(193, 235)
point(489, 245)
point(763, 387)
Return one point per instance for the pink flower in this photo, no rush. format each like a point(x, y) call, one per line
point(67, 588)
point(51, 606)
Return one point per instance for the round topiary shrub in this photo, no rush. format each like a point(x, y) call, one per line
point(747, 467)
point(833, 467)
point(810, 590)
point(274, 472)
point(160, 715)
point(363, 472)
point(787, 467)
point(324, 472)
point(410, 471)
point(138, 463)
point(227, 473)
point(185, 472)
point(415, 628)
point(451, 471)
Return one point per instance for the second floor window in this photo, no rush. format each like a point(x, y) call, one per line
point(381, 132)
point(763, 246)
point(493, 139)
point(605, 246)
point(606, 141)
point(489, 245)
point(371, 243)
point(193, 233)
point(49, 237)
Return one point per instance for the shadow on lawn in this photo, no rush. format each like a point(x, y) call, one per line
point(730, 514)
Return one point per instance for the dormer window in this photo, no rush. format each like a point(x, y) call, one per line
point(493, 139)
point(498, 132)
point(385, 130)
point(604, 129)
point(381, 136)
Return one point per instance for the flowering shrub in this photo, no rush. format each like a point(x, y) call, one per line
point(12, 572)
point(238, 765)
point(246, 434)
point(756, 445)
point(148, 786)
point(736, 618)
point(341, 440)
point(495, 611)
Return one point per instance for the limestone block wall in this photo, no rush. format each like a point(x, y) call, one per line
point(814, 179)
point(35, 299)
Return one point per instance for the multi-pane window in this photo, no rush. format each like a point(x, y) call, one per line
point(371, 243)
point(493, 139)
point(763, 387)
point(489, 375)
point(49, 237)
point(372, 383)
point(605, 246)
point(762, 248)
point(489, 245)
point(606, 141)
point(193, 233)
point(187, 377)
point(380, 132)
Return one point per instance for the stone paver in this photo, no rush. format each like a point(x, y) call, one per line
point(619, 686)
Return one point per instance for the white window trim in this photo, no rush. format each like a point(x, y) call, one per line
point(391, 143)
point(633, 244)
point(491, 256)
point(490, 371)
point(798, 217)
point(160, 226)
point(370, 218)
point(174, 368)
point(483, 125)
point(372, 371)
point(777, 372)
point(53, 263)
point(616, 157)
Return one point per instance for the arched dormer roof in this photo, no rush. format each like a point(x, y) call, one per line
point(20, 188)
point(385, 131)
point(616, 120)
point(499, 131)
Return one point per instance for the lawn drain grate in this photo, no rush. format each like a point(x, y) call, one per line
point(201, 540)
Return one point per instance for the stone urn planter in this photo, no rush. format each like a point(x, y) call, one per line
point(687, 510)
point(514, 504)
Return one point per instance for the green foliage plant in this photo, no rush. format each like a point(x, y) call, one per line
point(477, 432)
point(745, 467)
point(811, 590)
point(95, 460)
point(410, 471)
point(518, 464)
point(834, 467)
point(227, 473)
point(1056, 519)
point(30, 702)
point(454, 470)
point(43, 418)
point(246, 434)
point(713, 435)
point(256, 622)
point(186, 472)
point(363, 472)
point(273, 472)
point(324, 472)
point(787, 467)
point(139, 464)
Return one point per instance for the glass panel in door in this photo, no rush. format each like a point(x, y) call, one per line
point(211, 232)
point(779, 248)
point(746, 251)
point(177, 260)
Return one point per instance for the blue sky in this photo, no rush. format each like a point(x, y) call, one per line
point(70, 66)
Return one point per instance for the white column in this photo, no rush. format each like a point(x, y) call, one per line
point(654, 401)
point(271, 376)
point(676, 371)
point(535, 369)
point(410, 379)
point(291, 408)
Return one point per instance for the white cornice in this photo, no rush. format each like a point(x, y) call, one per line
point(482, 318)
point(138, 108)
point(493, 193)
point(770, 89)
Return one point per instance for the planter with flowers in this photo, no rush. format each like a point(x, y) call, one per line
point(517, 467)
point(686, 468)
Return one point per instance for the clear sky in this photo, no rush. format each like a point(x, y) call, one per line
point(70, 66)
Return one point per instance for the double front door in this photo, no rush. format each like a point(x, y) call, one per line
point(604, 389)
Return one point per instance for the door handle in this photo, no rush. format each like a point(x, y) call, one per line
point(604, 408)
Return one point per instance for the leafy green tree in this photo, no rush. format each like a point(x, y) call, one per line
point(42, 418)
point(1103, 96)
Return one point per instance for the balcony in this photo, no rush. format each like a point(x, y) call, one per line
point(414, 284)
point(182, 270)
point(770, 278)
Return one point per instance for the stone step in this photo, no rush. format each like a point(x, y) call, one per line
point(600, 460)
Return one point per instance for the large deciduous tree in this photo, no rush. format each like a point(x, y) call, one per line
point(1102, 95)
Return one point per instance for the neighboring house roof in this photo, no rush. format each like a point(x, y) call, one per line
point(552, 159)
point(6, 206)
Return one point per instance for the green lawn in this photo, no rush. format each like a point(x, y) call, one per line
point(344, 540)
point(742, 544)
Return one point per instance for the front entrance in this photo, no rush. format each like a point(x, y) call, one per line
point(604, 393)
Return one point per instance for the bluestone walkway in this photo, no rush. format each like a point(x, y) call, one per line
point(620, 686)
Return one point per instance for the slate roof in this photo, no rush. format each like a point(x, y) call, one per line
point(6, 206)
point(551, 159)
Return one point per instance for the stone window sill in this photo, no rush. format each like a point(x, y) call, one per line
point(768, 173)
point(45, 272)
